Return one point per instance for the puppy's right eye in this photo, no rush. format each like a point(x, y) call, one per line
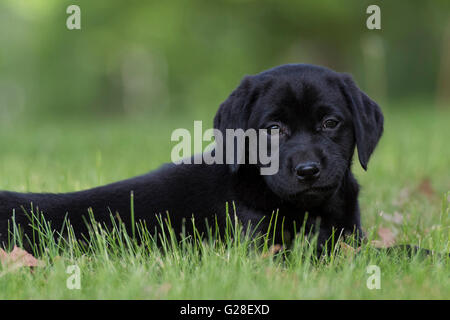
point(330, 124)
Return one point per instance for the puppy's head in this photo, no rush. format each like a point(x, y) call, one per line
point(320, 116)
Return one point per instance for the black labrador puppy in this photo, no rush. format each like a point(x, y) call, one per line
point(320, 116)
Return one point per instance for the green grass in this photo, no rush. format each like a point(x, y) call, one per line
point(65, 156)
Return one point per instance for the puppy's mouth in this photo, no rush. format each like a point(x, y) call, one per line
point(327, 188)
point(315, 191)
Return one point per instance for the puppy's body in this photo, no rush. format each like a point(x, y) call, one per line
point(321, 117)
point(169, 190)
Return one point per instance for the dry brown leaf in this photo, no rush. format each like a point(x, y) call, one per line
point(348, 250)
point(18, 258)
point(272, 251)
point(426, 188)
point(387, 238)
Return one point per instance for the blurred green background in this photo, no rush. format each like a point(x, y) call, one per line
point(168, 58)
point(87, 107)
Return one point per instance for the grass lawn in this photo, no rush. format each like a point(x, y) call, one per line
point(405, 191)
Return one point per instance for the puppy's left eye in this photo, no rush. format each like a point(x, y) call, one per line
point(330, 124)
point(271, 129)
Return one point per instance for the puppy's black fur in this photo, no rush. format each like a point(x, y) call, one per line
point(322, 116)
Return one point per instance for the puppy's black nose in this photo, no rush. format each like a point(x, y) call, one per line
point(307, 171)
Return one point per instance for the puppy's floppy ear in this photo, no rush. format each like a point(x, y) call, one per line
point(367, 119)
point(234, 113)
